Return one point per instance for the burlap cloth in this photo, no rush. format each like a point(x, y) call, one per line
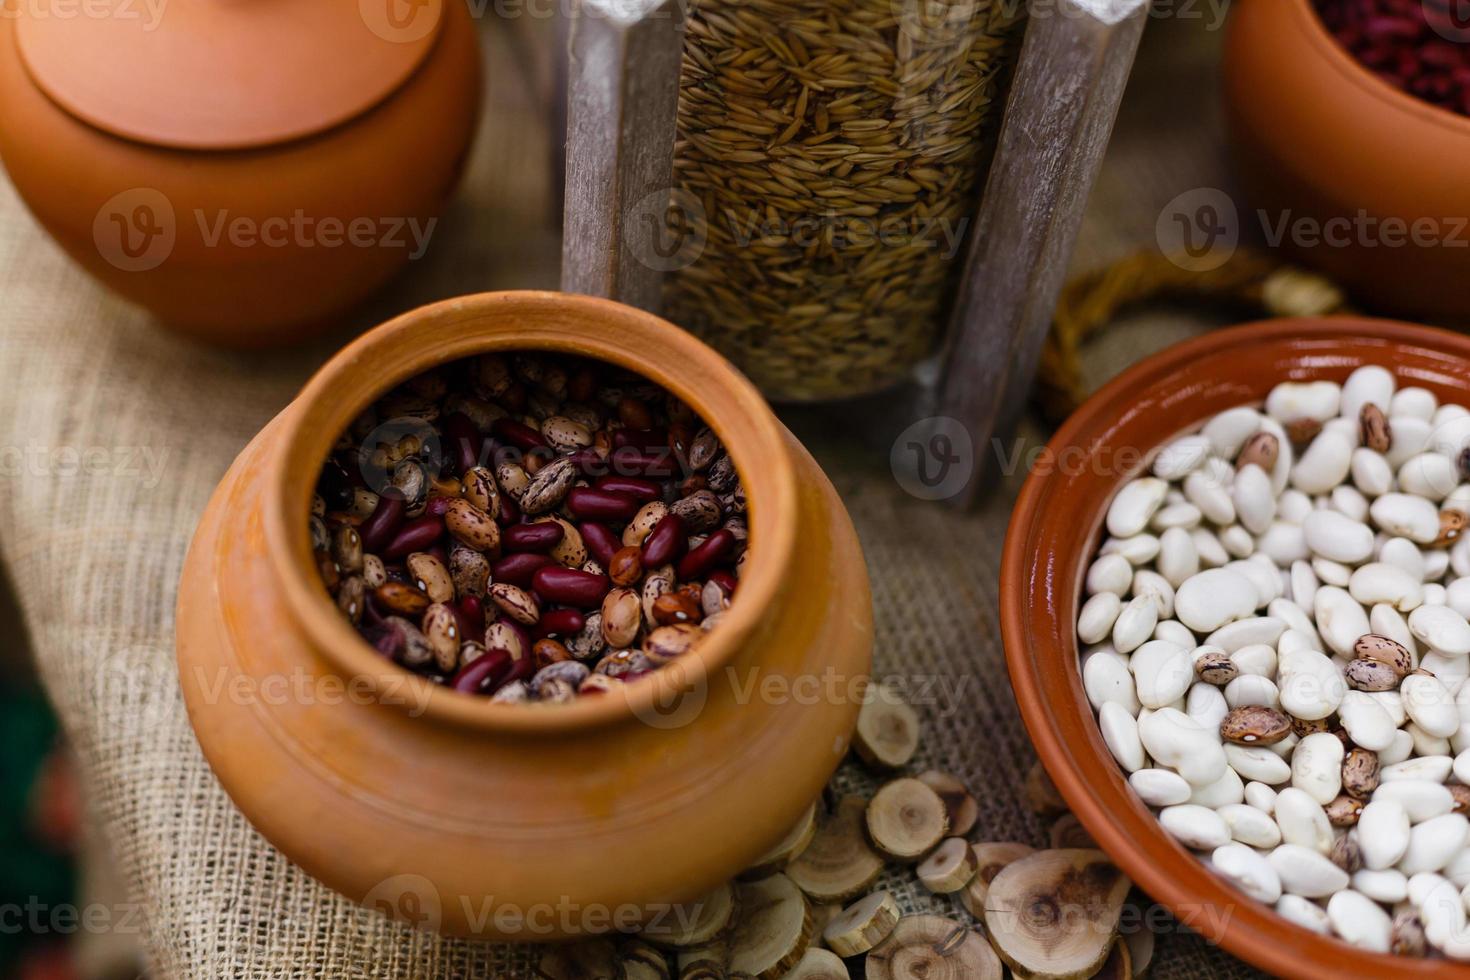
point(115, 433)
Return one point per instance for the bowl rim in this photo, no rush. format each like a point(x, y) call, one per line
point(1355, 73)
point(462, 327)
point(1111, 814)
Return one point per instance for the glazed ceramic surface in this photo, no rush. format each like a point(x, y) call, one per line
point(1318, 138)
point(1054, 533)
point(412, 797)
point(180, 169)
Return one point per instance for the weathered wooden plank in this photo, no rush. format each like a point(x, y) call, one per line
point(1069, 80)
point(623, 91)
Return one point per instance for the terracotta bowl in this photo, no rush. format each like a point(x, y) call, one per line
point(438, 806)
point(1054, 534)
point(149, 206)
point(1316, 135)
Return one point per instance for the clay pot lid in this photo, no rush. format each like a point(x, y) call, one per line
point(223, 74)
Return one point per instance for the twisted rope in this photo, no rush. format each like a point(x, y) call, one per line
point(1090, 303)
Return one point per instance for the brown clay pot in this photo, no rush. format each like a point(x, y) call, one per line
point(243, 170)
point(1316, 135)
point(1054, 533)
point(432, 803)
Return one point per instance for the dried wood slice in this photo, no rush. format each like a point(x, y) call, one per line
point(950, 867)
point(963, 810)
point(1140, 942)
point(887, 733)
point(1055, 913)
point(990, 858)
point(819, 964)
point(862, 925)
point(773, 931)
point(595, 960)
point(906, 820)
point(933, 948)
point(839, 864)
point(821, 916)
point(706, 962)
point(696, 923)
point(642, 961)
point(1041, 793)
point(1069, 832)
point(1118, 965)
point(789, 847)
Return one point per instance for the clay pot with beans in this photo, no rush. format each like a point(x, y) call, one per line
point(405, 655)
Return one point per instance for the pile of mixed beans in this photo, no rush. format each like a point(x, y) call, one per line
point(530, 527)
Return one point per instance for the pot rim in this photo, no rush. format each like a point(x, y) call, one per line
point(1357, 74)
point(593, 327)
point(1111, 813)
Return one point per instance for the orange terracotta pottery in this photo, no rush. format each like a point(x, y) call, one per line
point(1054, 533)
point(244, 170)
point(1344, 165)
point(523, 822)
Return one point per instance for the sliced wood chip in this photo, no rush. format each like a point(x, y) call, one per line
point(934, 948)
point(1055, 913)
point(906, 820)
point(641, 960)
point(839, 864)
point(1069, 832)
point(950, 868)
point(887, 733)
point(593, 960)
point(862, 925)
point(963, 810)
point(696, 923)
point(990, 857)
point(819, 964)
point(773, 930)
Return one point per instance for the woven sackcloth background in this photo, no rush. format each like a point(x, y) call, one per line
point(115, 433)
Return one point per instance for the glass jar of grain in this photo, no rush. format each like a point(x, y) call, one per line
point(831, 154)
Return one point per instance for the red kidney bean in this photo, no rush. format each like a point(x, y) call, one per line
point(560, 622)
point(665, 543)
point(532, 537)
point(523, 668)
point(510, 511)
point(602, 505)
point(416, 535)
point(648, 440)
point(462, 441)
point(644, 490)
point(518, 434)
point(725, 580)
point(382, 523)
point(600, 542)
point(437, 550)
point(589, 462)
point(571, 586)
point(437, 505)
point(711, 552)
point(629, 461)
point(471, 613)
point(518, 568)
point(485, 673)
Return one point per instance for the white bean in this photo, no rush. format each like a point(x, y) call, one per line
point(1371, 473)
point(1177, 741)
point(1367, 384)
point(1442, 629)
point(1162, 673)
point(1249, 871)
point(1214, 597)
point(1359, 921)
point(1406, 515)
point(1120, 733)
point(1181, 457)
point(1383, 833)
point(1229, 430)
point(1420, 800)
point(1434, 842)
point(1195, 826)
point(1160, 787)
point(1250, 826)
point(1307, 914)
point(1098, 614)
point(1135, 623)
point(1254, 502)
point(1316, 768)
point(1302, 820)
point(1258, 763)
point(1379, 581)
point(1305, 872)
